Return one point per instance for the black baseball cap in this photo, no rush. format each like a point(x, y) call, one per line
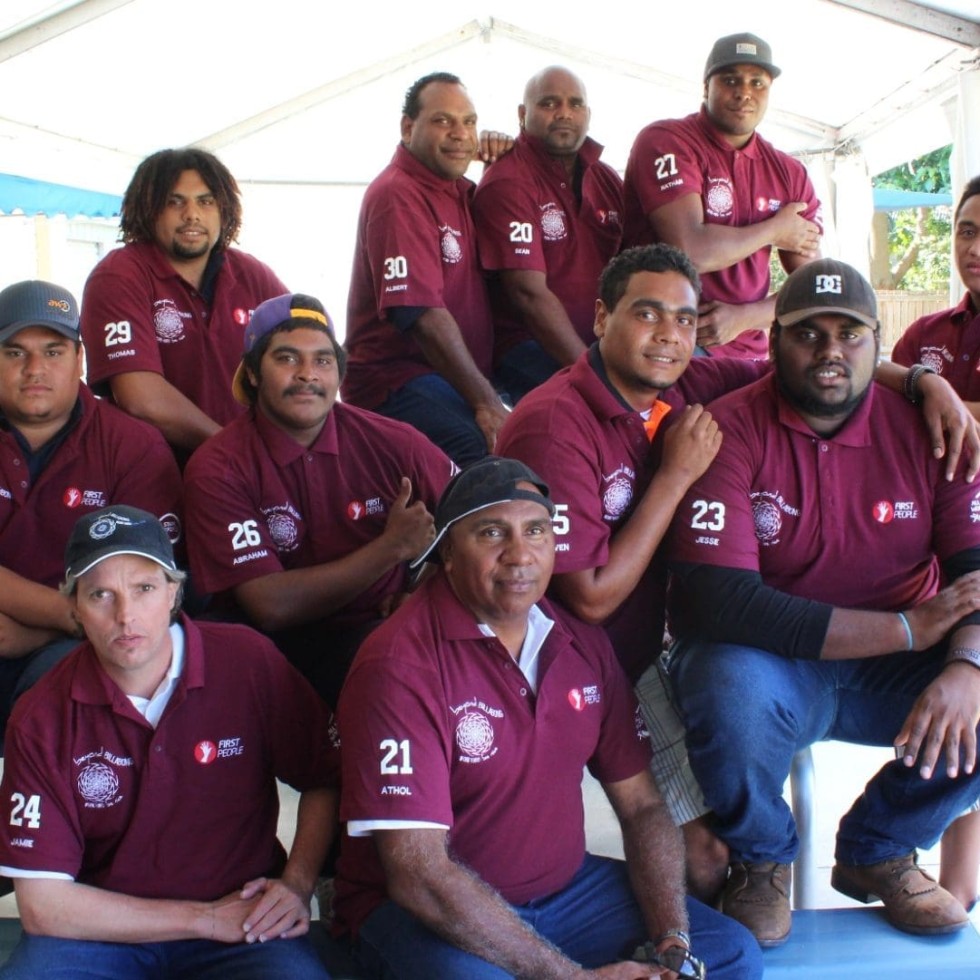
point(826, 286)
point(35, 303)
point(117, 530)
point(740, 49)
point(489, 481)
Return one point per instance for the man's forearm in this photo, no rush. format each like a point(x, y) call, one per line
point(543, 314)
point(150, 397)
point(316, 824)
point(70, 910)
point(33, 604)
point(437, 334)
point(467, 913)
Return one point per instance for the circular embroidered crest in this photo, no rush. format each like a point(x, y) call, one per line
point(167, 323)
point(102, 528)
point(474, 734)
point(768, 520)
point(719, 200)
point(282, 530)
point(617, 498)
point(934, 360)
point(98, 783)
point(451, 252)
point(553, 225)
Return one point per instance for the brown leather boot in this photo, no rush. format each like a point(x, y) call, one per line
point(757, 895)
point(914, 902)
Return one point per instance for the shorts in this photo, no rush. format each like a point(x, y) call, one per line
point(670, 766)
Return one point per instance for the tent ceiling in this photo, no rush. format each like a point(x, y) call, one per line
point(310, 93)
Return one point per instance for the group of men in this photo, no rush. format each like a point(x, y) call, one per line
point(477, 696)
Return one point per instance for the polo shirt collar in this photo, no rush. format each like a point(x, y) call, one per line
point(712, 133)
point(588, 153)
point(588, 376)
point(285, 450)
point(404, 160)
point(90, 684)
point(964, 312)
point(856, 431)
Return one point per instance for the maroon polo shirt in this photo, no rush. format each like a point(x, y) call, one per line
point(589, 446)
point(676, 157)
point(416, 246)
point(855, 520)
point(949, 343)
point(528, 217)
point(258, 502)
point(185, 811)
point(439, 725)
point(139, 314)
point(107, 458)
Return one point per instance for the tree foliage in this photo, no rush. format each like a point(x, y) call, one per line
point(918, 238)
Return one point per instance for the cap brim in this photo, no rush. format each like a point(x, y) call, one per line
point(788, 319)
point(73, 575)
point(15, 328)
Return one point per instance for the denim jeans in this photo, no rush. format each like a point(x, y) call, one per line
point(47, 958)
point(748, 712)
point(523, 368)
point(594, 920)
point(432, 405)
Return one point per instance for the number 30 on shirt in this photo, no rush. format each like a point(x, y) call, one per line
point(709, 515)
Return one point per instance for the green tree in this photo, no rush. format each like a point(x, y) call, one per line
point(918, 238)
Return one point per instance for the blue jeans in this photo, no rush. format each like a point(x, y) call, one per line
point(46, 958)
point(594, 920)
point(748, 712)
point(523, 368)
point(433, 406)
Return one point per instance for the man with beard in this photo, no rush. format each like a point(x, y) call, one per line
point(807, 563)
point(162, 316)
point(712, 186)
point(548, 218)
point(304, 511)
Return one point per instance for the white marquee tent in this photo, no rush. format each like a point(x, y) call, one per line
point(301, 98)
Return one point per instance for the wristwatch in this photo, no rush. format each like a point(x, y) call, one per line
point(678, 934)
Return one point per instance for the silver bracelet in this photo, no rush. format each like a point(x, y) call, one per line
point(965, 655)
point(909, 640)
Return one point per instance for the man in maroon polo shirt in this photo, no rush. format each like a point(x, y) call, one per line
point(949, 342)
point(140, 784)
point(712, 186)
point(807, 564)
point(305, 510)
point(548, 218)
point(419, 330)
point(62, 453)
point(162, 317)
point(466, 722)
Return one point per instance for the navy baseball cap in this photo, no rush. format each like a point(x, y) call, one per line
point(740, 49)
point(117, 530)
point(826, 286)
point(489, 481)
point(35, 303)
point(297, 308)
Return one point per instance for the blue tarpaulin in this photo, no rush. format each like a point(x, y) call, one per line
point(890, 200)
point(42, 197)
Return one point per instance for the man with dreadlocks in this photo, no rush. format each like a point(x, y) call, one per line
point(162, 316)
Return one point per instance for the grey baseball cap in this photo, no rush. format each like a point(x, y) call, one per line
point(35, 303)
point(740, 49)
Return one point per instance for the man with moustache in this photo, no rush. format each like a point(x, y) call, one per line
point(466, 722)
point(806, 564)
point(303, 512)
point(712, 186)
point(162, 316)
point(419, 329)
point(548, 219)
